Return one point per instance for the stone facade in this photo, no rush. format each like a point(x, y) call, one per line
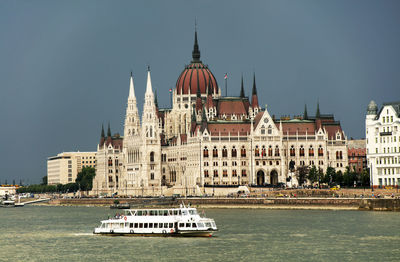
point(207, 140)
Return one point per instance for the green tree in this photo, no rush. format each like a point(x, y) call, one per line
point(329, 175)
point(364, 177)
point(85, 178)
point(313, 174)
point(302, 174)
point(44, 180)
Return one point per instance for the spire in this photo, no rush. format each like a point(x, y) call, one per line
point(102, 131)
point(131, 88)
point(203, 115)
point(109, 130)
point(318, 114)
point(254, 98)
point(242, 89)
point(155, 98)
point(196, 51)
point(305, 115)
point(254, 92)
point(149, 88)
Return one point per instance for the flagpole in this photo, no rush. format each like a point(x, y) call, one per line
point(226, 84)
point(170, 96)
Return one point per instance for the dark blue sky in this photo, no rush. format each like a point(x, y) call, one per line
point(65, 65)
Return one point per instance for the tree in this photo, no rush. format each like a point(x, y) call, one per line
point(84, 180)
point(349, 177)
point(302, 174)
point(364, 177)
point(313, 175)
point(330, 175)
point(44, 180)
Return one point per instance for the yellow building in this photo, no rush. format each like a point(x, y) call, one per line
point(63, 168)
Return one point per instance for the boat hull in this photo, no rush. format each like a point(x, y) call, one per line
point(178, 234)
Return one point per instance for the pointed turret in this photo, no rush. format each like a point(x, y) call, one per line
point(242, 89)
point(199, 103)
point(131, 88)
point(102, 136)
point(318, 114)
point(109, 130)
point(210, 103)
point(254, 97)
point(149, 88)
point(155, 98)
point(203, 116)
point(305, 115)
point(196, 51)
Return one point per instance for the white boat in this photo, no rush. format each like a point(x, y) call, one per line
point(182, 221)
point(7, 203)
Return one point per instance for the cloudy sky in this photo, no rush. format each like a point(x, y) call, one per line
point(65, 65)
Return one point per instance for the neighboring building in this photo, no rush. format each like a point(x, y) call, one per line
point(383, 143)
point(206, 139)
point(63, 168)
point(7, 190)
point(357, 153)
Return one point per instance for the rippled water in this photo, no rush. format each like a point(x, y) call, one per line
point(41, 233)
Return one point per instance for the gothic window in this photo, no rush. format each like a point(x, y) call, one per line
point(224, 152)
point(151, 156)
point(320, 151)
point(215, 152)
point(269, 130)
point(276, 151)
point(234, 174)
point(301, 151)
point(311, 151)
point(263, 152)
point(262, 130)
point(244, 174)
point(205, 152)
point(292, 151)
point(215, 173)
point(206, 173)
point(109, 161)
point(340, 155)
point(234, 153)
point(270, 151)
point(110, 179)
point(257, 151)
point(225, 173)
point(152, 176)
point(243, 152)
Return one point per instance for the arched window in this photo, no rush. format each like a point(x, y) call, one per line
point(243, 152)
point(257, 151)
point(205, 152)
point(263, 152)
point(234, 152)
point(151, 156)
point(269, 130)
point(301, 151)
point(224, 152)
point(110, 162)
point(311, 151)
point(292, 151)
point(262, 130)
point(215, 152)
point(270, 151)
point(320, 151)
point(340, 155)
point(276, 151)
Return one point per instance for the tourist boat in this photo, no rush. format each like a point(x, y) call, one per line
point(7, 203)
point(182, 221)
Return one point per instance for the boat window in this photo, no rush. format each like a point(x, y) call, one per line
point(160, 212)
point(200, 224)
point(138, 213)
point(131, 225)
point(145, 225)
point(140, 225)
point(184, 212)
point(153, 213)
point(155, 225)
point(165, 212)
point(150, 225)
point(194, 225)
point(160, 225)
point(187, 224)
point(192, 212)
point(165, 225)
point(136, 225)
point(208, 224)
point(126, 224)
point(121, 225)
point(171, 225)
point(175, 212)
point(145, 213)
point(180, 212)
point(181, 224)
point(213, 224)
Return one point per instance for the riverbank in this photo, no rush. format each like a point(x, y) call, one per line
point(248, 203)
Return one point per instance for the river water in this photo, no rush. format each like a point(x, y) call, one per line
point(42, 233)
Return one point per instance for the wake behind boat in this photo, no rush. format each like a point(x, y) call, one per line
point(182, 221)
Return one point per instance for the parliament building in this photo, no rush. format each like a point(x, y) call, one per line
point(207, 140)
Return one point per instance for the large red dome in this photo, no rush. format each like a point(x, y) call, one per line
point(196, 75)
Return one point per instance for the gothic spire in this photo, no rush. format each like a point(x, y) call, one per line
point(109, 130)
point(305, 115)
point(254, 97)
point(242, 89)
point(131, 88)
point(155, 98)
point(318, 114)
point(149, 89)
point(102, 131)
point(196, 51)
